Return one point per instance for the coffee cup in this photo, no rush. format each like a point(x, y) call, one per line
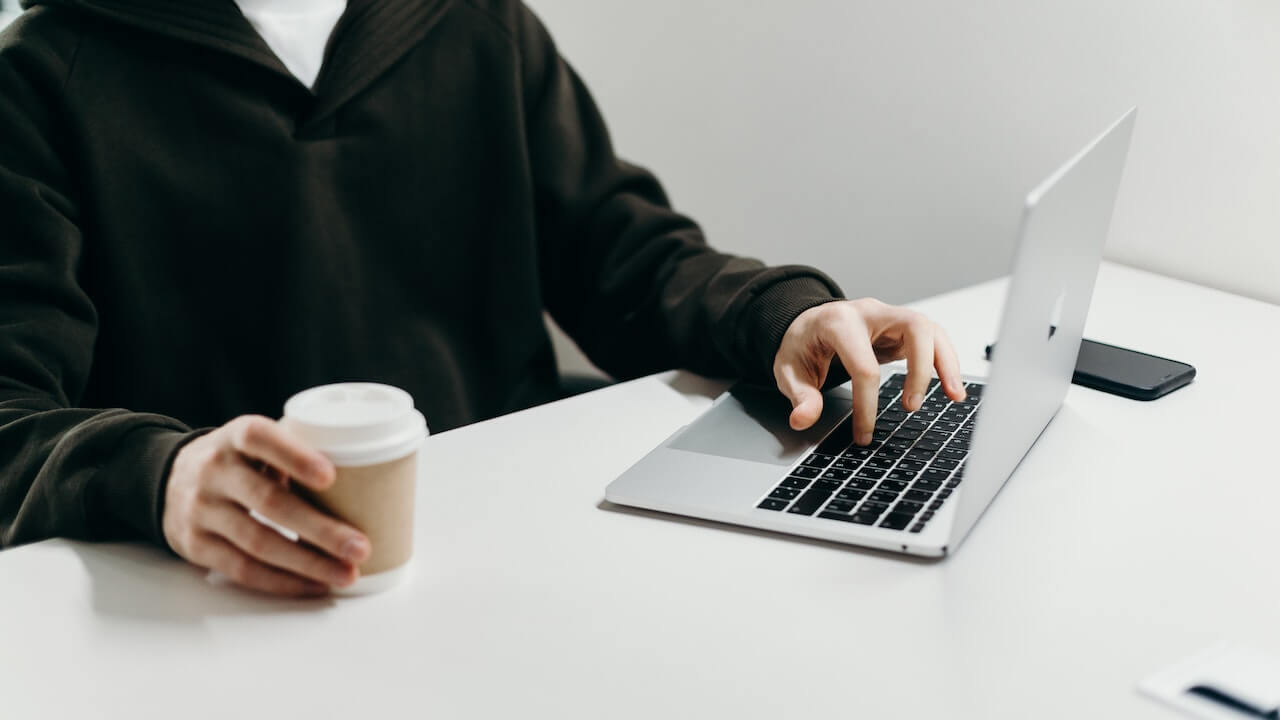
point(371, 433)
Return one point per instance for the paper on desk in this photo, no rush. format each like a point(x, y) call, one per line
point(1243, 673)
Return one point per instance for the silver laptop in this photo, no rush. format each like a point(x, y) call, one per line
point(927, 476)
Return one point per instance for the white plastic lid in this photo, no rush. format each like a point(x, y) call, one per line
point(357, 423)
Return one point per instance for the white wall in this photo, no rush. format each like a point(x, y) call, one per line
point(890, 143)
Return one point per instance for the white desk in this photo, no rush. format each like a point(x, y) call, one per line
point(1132, 535)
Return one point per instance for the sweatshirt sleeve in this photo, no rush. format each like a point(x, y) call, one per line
point(64, 470)
point(632, 281)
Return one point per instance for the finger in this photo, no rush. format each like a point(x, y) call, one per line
point(264, 439)
point(918, 344)
point(262, 543)
point(852, 343)
point(803, 390)
point(271, 499)
point(218, 554)
point(947, 364)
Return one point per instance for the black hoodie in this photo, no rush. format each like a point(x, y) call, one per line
point(187, 234)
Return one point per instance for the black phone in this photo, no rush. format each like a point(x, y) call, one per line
point(1127, 373)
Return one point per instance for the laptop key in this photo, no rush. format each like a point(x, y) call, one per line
point(818, 460)
point(917, 527)
point(890, 453)
point(870, 506)
point(810, 501)
point(826, 485)
point(880, 462)
point(870, 472)
point(943, 464)
point(864, 518)
point(925, 485)
point(914, 494)
point(892, 485)
point(783, 493)
point(795, 482)
point(836, 516)
point(935, 504)
point(772, 504)
point(952, 454)
point(915, 424)
point(900, 474)
point(883, 496)
point(921, 453)
point(836, 474)
point(937, 476)
point(851, 494)
point(840, 506)
point(846, 463)
point(909, 507)
point(896, 380)
point(895, 521)
point(859, 483)
point(912, 465)
point(857, 453)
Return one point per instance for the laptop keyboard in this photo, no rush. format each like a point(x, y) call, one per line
point(900, 481)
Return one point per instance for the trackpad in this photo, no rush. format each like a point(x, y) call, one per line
point(752, 423)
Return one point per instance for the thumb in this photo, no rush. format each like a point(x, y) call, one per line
point(806, 398)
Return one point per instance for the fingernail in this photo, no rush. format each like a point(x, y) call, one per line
point(320, 471)
point(864, 438)
point(355, 549)
point(916, 400)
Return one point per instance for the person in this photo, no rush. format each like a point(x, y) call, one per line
point(212, 204)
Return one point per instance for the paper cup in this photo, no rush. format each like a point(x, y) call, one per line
point(371, 433)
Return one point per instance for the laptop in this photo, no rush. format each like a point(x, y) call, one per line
point(927, 476)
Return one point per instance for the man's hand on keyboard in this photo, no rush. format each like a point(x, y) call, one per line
point(862, 334)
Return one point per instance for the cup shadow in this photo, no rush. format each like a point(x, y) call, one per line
point(143, 583)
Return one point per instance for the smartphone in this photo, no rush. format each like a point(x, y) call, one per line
point(1127, 373)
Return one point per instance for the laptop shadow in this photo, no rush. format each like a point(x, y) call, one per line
point(772, 534)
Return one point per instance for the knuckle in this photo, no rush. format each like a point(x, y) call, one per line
point(257, 541)
point(251, 429)
point(866, 373)
point(272, 500)
point(239, 569)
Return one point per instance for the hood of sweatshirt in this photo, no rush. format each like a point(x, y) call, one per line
point(371, 36)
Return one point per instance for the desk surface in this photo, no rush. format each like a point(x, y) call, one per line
point(1132, 535)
